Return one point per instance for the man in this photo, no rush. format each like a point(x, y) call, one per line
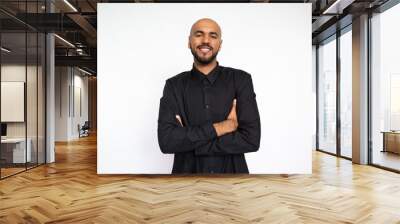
point(208, 116)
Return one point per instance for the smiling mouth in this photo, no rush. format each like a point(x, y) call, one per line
point(205, 49)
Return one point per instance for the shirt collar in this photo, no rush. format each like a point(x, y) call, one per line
point(211, 77)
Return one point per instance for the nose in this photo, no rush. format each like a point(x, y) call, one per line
point(206, 39)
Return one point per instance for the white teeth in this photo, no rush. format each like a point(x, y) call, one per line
point(204, 50)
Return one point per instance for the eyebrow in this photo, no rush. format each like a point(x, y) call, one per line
point(202, 32)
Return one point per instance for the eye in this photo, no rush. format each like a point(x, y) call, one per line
point(214, 35)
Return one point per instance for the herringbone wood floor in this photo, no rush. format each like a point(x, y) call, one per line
point(70, 191)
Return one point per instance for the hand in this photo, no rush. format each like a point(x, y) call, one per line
point(228, 125)
point(179, 119)
point(233, 116)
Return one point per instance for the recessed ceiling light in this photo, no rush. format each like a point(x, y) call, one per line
point(84, 71)
point(338, 6)
point(5, 50)
point(70, 5)
point(64, 40)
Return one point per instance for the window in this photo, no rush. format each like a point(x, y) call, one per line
point(327, 96)
point(385, 88)
point(346, 93)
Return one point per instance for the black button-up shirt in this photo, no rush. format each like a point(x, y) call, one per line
point(201, 100)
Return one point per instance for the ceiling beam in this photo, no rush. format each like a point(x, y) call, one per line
point(84, 61)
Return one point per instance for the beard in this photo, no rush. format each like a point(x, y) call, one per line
point(201, 60)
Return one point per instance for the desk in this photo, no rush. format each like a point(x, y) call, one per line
point(391, 141)
point(15, 148)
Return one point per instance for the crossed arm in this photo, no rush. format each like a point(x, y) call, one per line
point(238, 133)
point(224, 127)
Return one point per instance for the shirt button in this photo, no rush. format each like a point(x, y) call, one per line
point(207, 106)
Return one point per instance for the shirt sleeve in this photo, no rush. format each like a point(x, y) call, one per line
point(247, 137)
point(172, 137)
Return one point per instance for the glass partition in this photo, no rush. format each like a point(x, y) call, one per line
point(14, 153)
point(22, 77)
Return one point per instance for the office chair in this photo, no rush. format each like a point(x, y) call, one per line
point(84, 130)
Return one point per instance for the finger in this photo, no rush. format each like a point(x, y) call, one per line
point(179, 119)
point(180, 122)
point(233, 105)
point(231, 112)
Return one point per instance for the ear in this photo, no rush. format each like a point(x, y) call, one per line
point(189, 42)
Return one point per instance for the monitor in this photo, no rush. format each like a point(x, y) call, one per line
point(3, 129)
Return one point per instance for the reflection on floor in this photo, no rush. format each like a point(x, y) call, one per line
point(10, 169)
point(347, 152)
point(386, 159)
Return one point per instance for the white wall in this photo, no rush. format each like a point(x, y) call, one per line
point(61, 103)
point(314, 92)
point(69, 81)
point(141, 45)
point(81, 94)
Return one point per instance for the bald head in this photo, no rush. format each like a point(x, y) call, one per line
point(206, 23)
